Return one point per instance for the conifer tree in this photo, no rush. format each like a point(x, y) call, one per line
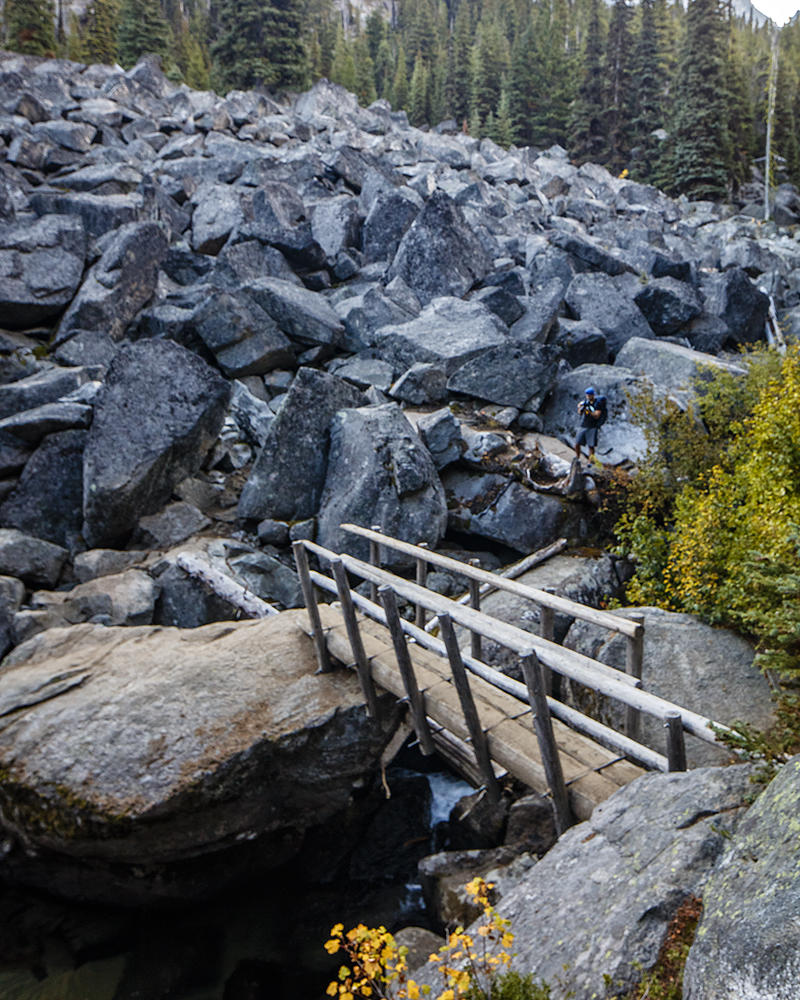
point(648, 97)
point(786, 122)
point(400, 81)
point(617, 111)
point(100, 32)
point(587, 132)
point(458, 72)
point(701, 140)
point(343, 69)
point(384, 65)
point(143, 29)
point(418, 98)
point(489, 65)
point(376, 32)
point(365, 72)
point(30, 26)
point(739, 116)
point(258, 43)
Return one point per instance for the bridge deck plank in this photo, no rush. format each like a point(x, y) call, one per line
point(591, 771)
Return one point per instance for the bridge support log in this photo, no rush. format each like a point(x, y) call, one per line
point(422, 581)
point(548, 749)
point(475, 602)
point(476, 733)
point(676, 745)
point(547, 630)
point(415, 700)
point(301, 562)
point(375, 560)
point(354, 635)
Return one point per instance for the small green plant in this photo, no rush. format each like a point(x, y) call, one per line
point(665, 980)
point(471, 966)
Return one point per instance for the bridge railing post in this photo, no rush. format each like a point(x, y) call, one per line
point(676, 745)
point(375, 560)
point(547, 630)
point(634, 658)
point(415, 700)
point(310, 599)
point(422, 581)
point(475, 642)
point(548, 749)
point(354, 635)
point(479, 742)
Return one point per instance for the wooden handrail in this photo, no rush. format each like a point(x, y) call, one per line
point(571, 716)
point(606, 619)
point(604, 679)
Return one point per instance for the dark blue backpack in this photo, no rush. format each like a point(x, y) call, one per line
point(601, 404)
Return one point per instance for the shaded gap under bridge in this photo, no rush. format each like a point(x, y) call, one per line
point(476, 715)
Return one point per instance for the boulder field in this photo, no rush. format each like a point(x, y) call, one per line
point(230, 322)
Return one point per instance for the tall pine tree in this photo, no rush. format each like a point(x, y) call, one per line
point(648, 97)
point(258, 43)
point(700, 154)
point(588, 140)
point(143, 29)
point(617, 113)
point(30, 26)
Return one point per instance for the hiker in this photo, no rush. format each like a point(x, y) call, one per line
point(592, 409)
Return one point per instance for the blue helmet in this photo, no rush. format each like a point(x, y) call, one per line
point(589, 391)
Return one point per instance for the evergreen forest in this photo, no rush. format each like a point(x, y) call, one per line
point(675, 96)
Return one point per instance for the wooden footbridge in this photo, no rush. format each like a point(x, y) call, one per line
point(476, 715)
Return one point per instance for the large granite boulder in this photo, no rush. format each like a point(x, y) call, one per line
point(217, 212)
point(739, 303)
point(33, 560)
point(119, 284)
point(278, 217)
point(387, 221)
point(745, 947)
point(156, 417)
point(288, 476)
point(303, 315)
point(41, 265)
point(158, 763)
point(592, 915)
point(668, 305)
point(608, 303)
point(439, 253)
point(510, 375)
point(448, 332)
point(244, 339)
point(48, 499)
point(379, 472)
point(670, 366)
point(503, 510)
point(708, 670)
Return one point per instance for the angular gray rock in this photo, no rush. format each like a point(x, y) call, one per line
point(590, 917)
point(119, 284)
point(709, 670)
point(278, 217)
point(289, 473)
point(379, 472)
point(267, 577)
point(503, 510)
point(217, 212)
point(41, 266)
point(745, 947)
point(31, 426)
point(365, 313)
point(48, 499)
point(301, 314)
point(387, 221)
point(126, 598)
point(668, 305)
point(170, 526)
point(244, 339)
point(421, 384)
point(440, 254)
point(45, 386)
point(736, 300)
point(441, 434)
point(33, 560)
point(670, 366)
point(156, 417)
point(448, 332)
point(235, 739)
point(509, 375)
point(335, 224)
point(609, 304)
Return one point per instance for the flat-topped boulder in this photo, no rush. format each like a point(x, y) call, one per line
point(142, 750)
